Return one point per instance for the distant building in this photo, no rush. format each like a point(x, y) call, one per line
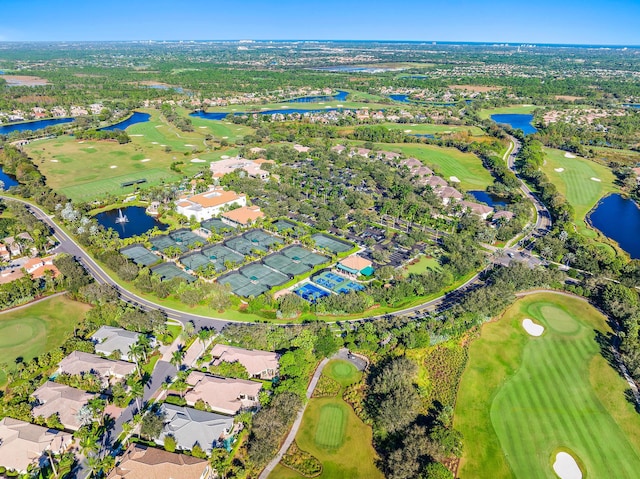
point(142, 462)
point(79, 362)
point(252, 168)
point(108, 339)
point(23, 444)
point(36, 267)
point(206, 205)
point(502, 215)
point(52, 398)
point(483, 211)
point(448, 194)
point(225, 395)
point(356, 265)
point(245, 216)
point(259, 364)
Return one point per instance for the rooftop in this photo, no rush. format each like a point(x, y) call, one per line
point(226, 395)
point(244, 215)
point(255, 361)
point(142, 462)
point(356, 262)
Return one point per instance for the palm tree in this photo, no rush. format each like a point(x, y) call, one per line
point(137, 391)
point(135, 353)
point(178, 356)
point(203, 335)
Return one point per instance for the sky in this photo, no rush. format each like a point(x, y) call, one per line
point(610, 22)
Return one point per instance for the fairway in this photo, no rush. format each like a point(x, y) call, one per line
point(447, 162)
point(28, 332)
point(333, 433)
point(575, 182)
point(522, 399)
point(514, 110)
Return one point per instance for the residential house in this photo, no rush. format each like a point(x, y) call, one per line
point(502, 215)
point(142, 462)
point(189, 426)
point(435, 182)
point(447, 194)
point(483, 211)
point(422, 171)
point(225, 395)
point(245, 216)
point(259, 364)
point(338, 149)
point(252, 168)
point(206, 205)
point(365, 152)
point(79, 362)
point(4, 253)
point(301, 149)
point(23, 443)
point(52, 398)
point(13, 246)
point(36, 267)
point(356, 265)
point(388, 155)
point(108, 339)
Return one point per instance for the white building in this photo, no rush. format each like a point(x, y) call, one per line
point(205, 206)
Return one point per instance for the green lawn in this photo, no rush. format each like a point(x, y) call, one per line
point(423, 264)
point(575, 182)
point(515, 109)
point(447, 162)
point(29, 332)
point(333, 433)
point(430, 129)
point(523, 398)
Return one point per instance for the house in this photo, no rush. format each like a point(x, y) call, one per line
point(79, 362)
point(189, 426)
point(252, 168)
point(108, 339)
point(301, 149)
point(256, 150)
point(52, 398)
point(502, 215)
point(244, 216)
point(142, 462)
point(389, 155)
point(12, 245)
point(637, 173)
point(225, 395)
point(435, 182)
point(422, 171)
point(23, 443)
point(360, 152)
point(205, 206)
point(4, 253)
point(477, 208)
point(36, 267)
point(259, 364)
point(447, 194)
point(338, 149)
point(356, 265)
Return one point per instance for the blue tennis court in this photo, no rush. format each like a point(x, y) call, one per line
point(310, 292)
point(336, 283)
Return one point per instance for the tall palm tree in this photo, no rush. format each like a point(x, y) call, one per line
point(137, 391)
point(178, 356)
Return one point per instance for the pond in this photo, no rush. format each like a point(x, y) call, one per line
point(33, 125)
point(487, 198)
point(516, 121)
point(137, 117)
point(340, 96)
point(400, 98)
point(8, 180)
point(283, 111)
point(619, 219)
point(139, 221)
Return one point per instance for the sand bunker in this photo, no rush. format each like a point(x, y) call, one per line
point(225, 137)
point(198, 160)
point(454, 179)
point(159, 126)
point(187, 144)
point(569, 155)
point(339, 106)
point(407, 131)
point(113, 166)
point(54, 161)
point(154, 142)
point(566, 467)
point(202, 127)
point(593, 178)
point(224, 157)
point(80, 142)
point(532, 328)
point(559, 170)
point(145, 160)
point(136, 135)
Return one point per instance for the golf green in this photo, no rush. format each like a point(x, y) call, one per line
point(522, 398)
point(331, 426)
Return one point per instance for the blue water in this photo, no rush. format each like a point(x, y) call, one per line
point(8, 181)
point(340, 96)
point(491, 200)
point(33, 125)
point(137, 117)
point(400, 98)
point(284, 111)
point(516, 121)
point(139, 221)
point(619, 219)
point(166, 87)
point(428, 135)
point(632, 105)
point(209, 115)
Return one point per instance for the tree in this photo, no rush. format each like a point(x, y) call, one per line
point(152, 424)
point(169, 443)
point(177, 356)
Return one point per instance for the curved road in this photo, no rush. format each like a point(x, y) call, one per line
point(69, 245)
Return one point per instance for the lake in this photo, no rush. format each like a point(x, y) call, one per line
point(400, 98)
point(340, 96)
point(491, 200)
point(139, 221)
point(516, 121)
point(137, 117)
point(33, 125)
point(619, 219)
point(8, 180)
point(283, 111)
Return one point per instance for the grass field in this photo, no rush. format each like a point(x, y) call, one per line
point(423, 264)
point(423, 129)
point(28, 332)
point(447, 162)
point(516, 110)
point(84, 170)
point(575, 182)
point(522, 399)
point(333, 433)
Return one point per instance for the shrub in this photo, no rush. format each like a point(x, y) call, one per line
point(302, 462)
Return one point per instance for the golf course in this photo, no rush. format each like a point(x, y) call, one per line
point(536, 385)
point(333, 434)
point(33, 330)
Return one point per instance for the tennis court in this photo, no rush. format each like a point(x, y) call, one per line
point(216, 225)
point(286, 265)
point(164, 242)
point(331, 244)
point(195, 262)
point(283, 225)
point(311, 292)
point(219, 255)
point(253, 280)
point(336, 283)
point(139, 255)
point(243, 286)
point(186, 237)
point(298, 253)
point(243, 245)
point(261, 273)
point(168, 271)
point(263, 238)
